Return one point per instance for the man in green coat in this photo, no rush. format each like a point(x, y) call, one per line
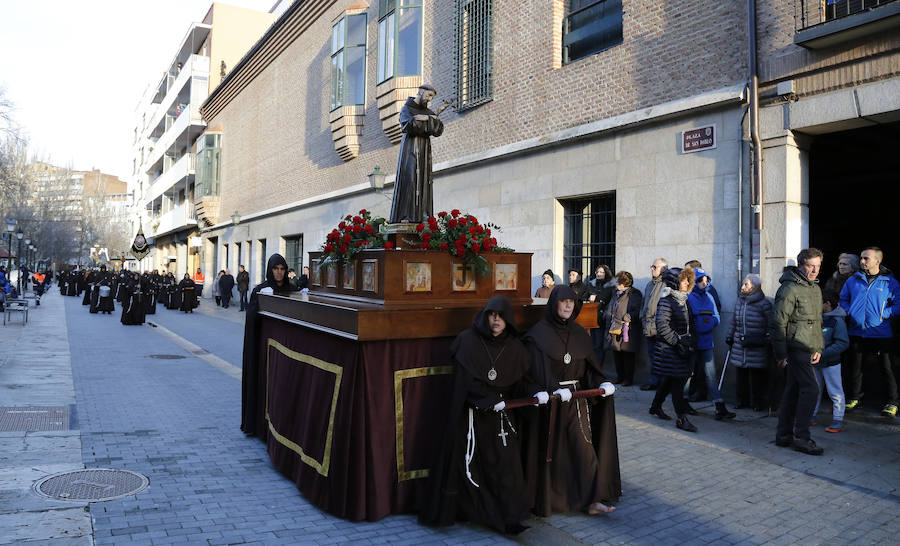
point(798, 343)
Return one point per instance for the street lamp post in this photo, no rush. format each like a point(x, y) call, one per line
point(27, 242)
point(10, 228)
point(19, 235)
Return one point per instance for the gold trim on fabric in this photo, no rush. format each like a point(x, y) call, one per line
point(399, 376)
point(323, 466)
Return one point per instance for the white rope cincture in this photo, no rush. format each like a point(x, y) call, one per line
point(470, 446)
point(508, 422)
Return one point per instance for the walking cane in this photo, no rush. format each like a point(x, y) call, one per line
point(724, 366)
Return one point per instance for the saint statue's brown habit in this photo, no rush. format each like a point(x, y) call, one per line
point(413, 194)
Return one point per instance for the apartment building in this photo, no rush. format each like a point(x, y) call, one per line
point(168, 124)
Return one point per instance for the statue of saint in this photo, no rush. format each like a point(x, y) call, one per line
point(413, 195)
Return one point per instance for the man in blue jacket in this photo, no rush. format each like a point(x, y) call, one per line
point(870, 297)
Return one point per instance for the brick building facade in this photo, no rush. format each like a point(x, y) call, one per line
point(580, 162)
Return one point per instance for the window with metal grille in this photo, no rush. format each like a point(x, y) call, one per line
point(474, 53)
point(590, 27)
point(399, 38)
point(590, 232)
point(348, 61)
point(835, 9)
point(293, 252)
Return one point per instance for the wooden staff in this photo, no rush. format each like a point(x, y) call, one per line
point(554, 402)
point(522, 402)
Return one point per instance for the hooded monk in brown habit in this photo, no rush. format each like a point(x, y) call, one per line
point(579, 436)
point(478, 475)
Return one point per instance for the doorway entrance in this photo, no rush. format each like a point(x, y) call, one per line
point(853, 179)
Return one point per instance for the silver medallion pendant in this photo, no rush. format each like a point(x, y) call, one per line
point(492, 374)
point(567, 358)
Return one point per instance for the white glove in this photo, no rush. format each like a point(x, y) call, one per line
point(499, 406)
point(609, 388)
point(267, 291)
point(564, 394)
point(542, 397)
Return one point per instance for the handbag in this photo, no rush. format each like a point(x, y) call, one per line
point(616, 328)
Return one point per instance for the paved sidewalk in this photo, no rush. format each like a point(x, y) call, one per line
point(35, 371)
point(175, 420)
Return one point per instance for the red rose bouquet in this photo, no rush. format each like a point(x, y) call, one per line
point(352, 235)
point(461, 235)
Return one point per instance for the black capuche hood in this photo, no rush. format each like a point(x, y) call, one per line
point(276, 259)
point(562, 292)
point(501, 305)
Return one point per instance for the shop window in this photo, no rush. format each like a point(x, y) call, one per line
point(348, 61)
point(474, 53)
point(399, 38)
point(590, 26)
point(590, 232)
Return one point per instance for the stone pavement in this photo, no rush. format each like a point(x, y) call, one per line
point(176, 420)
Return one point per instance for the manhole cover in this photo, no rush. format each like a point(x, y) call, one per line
point(34, 418)
point(91, 485)
point(167, 357)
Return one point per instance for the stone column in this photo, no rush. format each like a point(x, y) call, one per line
point(785, 204)
point(181, 260)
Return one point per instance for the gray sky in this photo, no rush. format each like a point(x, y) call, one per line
point(76, 69)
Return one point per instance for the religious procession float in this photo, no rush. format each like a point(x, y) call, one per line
point(351, 380)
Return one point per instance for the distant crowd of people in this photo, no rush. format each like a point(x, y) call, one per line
point(787, 353)
point(137, 293)
point(9, 288)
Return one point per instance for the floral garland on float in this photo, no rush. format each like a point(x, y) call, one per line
point(462, 235)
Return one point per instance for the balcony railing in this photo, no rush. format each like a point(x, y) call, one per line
point(190, 116)
point(179, 217)
point(174, 174)
point(197, 66)
point(810, 13)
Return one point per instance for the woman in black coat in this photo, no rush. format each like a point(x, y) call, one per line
point(675, 343)
point(623, 326)
point(749, 339)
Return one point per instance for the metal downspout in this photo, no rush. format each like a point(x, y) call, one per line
point(740, 199)
point(755, 142)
